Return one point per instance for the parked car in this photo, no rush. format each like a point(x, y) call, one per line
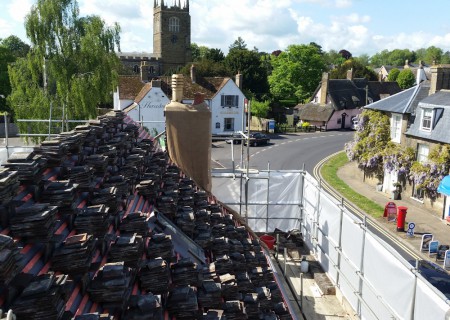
point(236, 138)
point(257, 139)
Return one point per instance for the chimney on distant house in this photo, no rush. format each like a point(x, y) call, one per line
point(177, 87)
point(421, 76)
point(350, 74)
point(239, 79)
point(193, 74)
point(324, 88)
point(145, 71)
point(380, 76)
point(440, 77)
point(406, 66)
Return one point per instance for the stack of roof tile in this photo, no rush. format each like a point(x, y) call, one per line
point(213, 314)
point(93, 316)
point(34, 223)
point(185, 218)
point(135, 222)
point(28, 165)
point(93, 220)
point(146, 307)
point(44, 298)
point(184, 272)
point(80, 175)
point(160, 245)
point(182, 303)
point(9, 184)
point(60, 193)
point(210, 294)
point(120, 182)
point(112, 286)
point(230, 290)
point(9, 260)
point(234, 310)
point(154, 276)
point(54, 151)
point(74, 255)
point(127, 248)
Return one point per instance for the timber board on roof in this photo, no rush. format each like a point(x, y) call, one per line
point(129, 87)
point(145, 89)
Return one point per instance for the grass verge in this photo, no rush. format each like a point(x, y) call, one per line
point(329, 174)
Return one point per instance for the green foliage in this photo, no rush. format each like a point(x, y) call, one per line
point(433, 54)
point(393, 74)
point(359, 70)
point(259, 109)
point(249, 64)
point(396, 57)
point(333, 58)
point(371, 139)
point(6, 57)
point(296, 72)
point(18, 48)
point(238, 44)
point(80, 65)
point(427, 176)
point(406, 79)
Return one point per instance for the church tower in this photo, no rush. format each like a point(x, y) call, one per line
point(172, 34)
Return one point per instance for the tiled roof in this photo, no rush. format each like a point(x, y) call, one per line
point(209, 86)
point(85, 218)
point(129, 87)
point(440, 102)
point(145, 89)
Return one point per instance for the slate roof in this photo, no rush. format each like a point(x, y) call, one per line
point(440, 102)
point(129, 87)
point(403, 102)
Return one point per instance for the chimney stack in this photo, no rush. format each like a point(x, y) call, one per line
point(440, 77)
point(350, 74)
point(324, 88)
point(177, 87)
point(239, 79)
point(198, 98)
point(193, 74)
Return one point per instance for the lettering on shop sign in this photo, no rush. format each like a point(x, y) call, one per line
point(152, 106)
point(229, 112)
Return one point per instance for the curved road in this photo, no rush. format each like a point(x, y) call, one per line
point(284, 152)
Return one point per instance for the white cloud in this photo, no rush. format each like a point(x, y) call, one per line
point(16, 9)
point(5, 29)
point(343, 3)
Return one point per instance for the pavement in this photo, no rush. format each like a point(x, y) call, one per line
point(426, 220)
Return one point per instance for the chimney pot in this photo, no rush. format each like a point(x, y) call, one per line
point(193, 74)
point(177, 87)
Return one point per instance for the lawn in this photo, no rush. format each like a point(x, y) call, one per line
point(329, 174)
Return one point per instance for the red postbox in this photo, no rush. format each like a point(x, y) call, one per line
point(401, 217)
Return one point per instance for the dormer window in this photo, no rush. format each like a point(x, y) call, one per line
point(174, 24)
point(427, 119)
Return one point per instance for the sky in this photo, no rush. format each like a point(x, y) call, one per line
point(359, 26)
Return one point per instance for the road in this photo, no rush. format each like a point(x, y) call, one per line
point(284, 152)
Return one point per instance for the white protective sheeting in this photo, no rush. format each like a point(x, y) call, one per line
point(377, 282)
point(427, 306)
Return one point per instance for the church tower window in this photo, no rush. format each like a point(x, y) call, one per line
point(174, 24)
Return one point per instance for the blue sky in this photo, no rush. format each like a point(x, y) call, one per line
point(359, 26)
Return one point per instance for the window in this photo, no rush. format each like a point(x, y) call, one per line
point(396, 127)
point(229, 101)
point(217, 125)
point(422, 152)
point(174, 24)
point(136, 69)
point(418, 194)
point(228, 124)
point(427, 117)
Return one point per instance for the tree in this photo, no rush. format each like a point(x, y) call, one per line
point(238, 44)
point(359, 70)
point(250, 65)
point(72, 65)
point(259, 109)
point(345, 54)
point(406, 79)
point(296, 72)
point(333, 58)
point(433, 54)
point(6, 57)
point(393, 74)
point(18, 48)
